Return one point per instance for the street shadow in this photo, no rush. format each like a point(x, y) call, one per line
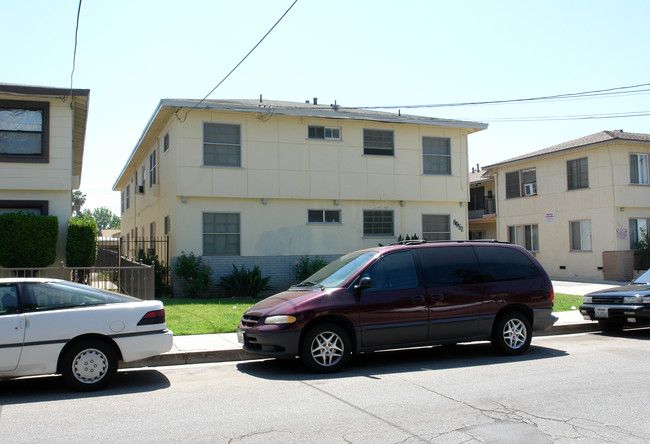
point(52, 388)
point(638, 333)
point(398, 361)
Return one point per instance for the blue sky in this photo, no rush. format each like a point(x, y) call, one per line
point(131, 54)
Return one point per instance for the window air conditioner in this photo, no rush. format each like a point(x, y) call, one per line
point(529, 189)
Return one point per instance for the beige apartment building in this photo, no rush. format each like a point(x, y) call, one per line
point(258, 182)
point(580, 206)
point(42, 133)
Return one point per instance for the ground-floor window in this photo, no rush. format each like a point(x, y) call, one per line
point(638, 232)
point(378, 223)
point(221, 234)
point(37, 207)
point(525, 235)
point(436, 227)
point(580, 235)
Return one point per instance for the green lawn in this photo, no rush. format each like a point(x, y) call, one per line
point(205, 316)
point(564, 302)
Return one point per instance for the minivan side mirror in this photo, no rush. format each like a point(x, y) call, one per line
point(363, 284)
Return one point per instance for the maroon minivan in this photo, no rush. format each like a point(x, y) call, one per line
point(407, 295)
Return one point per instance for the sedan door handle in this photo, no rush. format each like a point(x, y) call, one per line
point(417, 299)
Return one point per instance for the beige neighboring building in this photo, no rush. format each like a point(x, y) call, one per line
point(482, 209)
point(260, 182)
point(580, 206)
point(42, 133)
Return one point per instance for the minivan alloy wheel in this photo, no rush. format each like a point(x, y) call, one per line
point(514, 333)
point(326, 348)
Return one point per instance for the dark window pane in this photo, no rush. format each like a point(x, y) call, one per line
point(504, 264)
point(379, 142)
point(443, 266)
point(513, 187)
point(316, 132)
point(377, 223)
point(394, 271)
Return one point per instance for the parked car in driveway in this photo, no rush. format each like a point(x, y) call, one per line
point(412, 294)
point(51, 326)
point(617, 307)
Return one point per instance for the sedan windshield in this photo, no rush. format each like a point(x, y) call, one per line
point(643, 279)
point(340, 270)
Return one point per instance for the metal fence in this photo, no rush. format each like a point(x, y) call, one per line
point(135, 280)
point(641, 260)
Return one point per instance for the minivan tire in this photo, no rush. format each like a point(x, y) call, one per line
point(512, 333)
point(325, 348)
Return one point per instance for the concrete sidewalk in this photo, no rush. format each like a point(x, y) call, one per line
point(224, 347)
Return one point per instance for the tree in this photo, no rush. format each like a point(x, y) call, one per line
point(78, 201)
point(104, 217)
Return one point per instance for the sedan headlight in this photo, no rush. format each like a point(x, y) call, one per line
point(280, 319)
point(633, 300)
point(587, 299)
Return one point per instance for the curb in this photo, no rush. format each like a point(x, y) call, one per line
point(235, 354)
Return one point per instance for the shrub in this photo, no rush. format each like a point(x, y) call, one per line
point(81, 246)
point(195, 274)
point(306, 266)
point(244, 283)
point(644, 241)
point(27, 240)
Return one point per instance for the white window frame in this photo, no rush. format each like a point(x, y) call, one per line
point(436, 156)
point(584, 227)
point(372, 219)
point(639, 168)
point(329, 132)
point(638, 228)
point(526, 236)
point(324, 217)
point(236, 234)
point(217, 145)
point(436, 235)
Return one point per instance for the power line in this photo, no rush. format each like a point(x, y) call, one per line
point(579, 95)
point(237, 66)
point(569, 117)
point(74, 54)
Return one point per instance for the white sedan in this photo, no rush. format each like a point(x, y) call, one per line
point(51, 326)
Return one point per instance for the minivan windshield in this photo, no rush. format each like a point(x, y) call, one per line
point(340, 270)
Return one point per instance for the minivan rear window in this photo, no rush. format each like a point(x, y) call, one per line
point(443, 266)
point(504, 264)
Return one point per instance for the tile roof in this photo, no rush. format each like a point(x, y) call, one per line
point(582, 142)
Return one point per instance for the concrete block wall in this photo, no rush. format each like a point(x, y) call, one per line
point(280, 268)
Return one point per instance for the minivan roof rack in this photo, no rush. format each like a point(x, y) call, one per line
point(420, 241)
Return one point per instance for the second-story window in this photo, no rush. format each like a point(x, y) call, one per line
point(221, 144)
point(577, 174)
point(521, 183)
point(24, 131)
point(324, 132)
point(378, 142)
point(639, 169)
point(166, 143)
point(436, 155)
point(152, 168)
point(127, 197)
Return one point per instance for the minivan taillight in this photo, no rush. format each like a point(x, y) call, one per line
point(153, 317)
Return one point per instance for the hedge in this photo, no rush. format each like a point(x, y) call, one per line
point(28, 240)
point(81, 247)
